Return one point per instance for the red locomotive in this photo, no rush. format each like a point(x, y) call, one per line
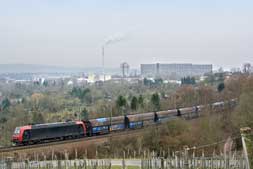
point(49, 131)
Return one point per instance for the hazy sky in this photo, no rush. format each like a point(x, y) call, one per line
point(71, 32)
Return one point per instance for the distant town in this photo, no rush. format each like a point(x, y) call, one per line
point(169, 72)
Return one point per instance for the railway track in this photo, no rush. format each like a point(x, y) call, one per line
point(102, 138)
point(94, 139)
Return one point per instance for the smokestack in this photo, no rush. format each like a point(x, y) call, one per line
point(114, 39)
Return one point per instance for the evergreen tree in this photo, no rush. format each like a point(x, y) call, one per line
point(159, 81)
point(155, 100)
point(84, 114)
point(141, 101)
point(188, 80)
point(221, 87)
point(83, 94)
point(5, 104)
point(121, 103)
point(134, 103)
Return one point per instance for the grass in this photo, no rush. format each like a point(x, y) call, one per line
point(113, 167)
point(127, 167)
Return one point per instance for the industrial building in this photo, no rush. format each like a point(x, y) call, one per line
point(175, 71)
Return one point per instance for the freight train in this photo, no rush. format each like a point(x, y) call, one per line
point(40, 133)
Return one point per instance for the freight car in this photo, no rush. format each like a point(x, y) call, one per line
point(189, 112)
point(167, 115)
point(139, 120)
point(119, 123)
point(105, 125)
point(99, 126)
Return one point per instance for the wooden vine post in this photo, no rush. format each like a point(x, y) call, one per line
point(247, 142)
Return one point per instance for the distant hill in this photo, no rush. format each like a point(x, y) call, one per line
point(33, 68)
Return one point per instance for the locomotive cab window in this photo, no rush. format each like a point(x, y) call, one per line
point(17, 130)
point(26, 135)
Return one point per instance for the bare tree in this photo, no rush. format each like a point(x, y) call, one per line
point(246, 68)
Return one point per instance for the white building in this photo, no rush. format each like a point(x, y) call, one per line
point(175, 70)
point(92, 78)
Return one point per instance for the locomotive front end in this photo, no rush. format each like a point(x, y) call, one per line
point(16, 137)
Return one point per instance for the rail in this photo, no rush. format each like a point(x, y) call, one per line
point(187, 116)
